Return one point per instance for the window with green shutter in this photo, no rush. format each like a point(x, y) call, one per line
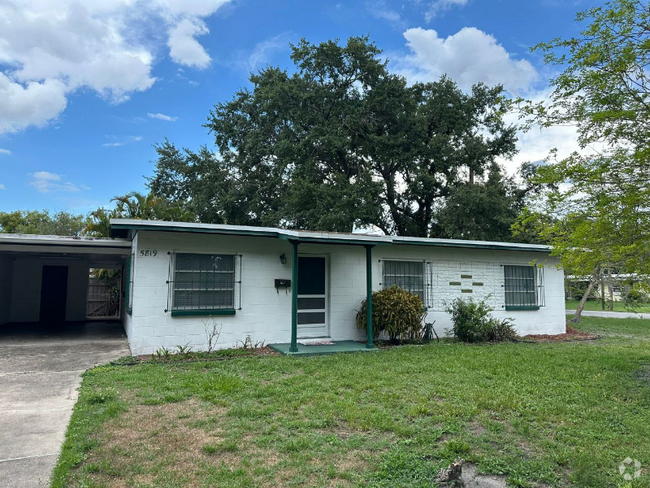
point(203, 284)
point(522, 287)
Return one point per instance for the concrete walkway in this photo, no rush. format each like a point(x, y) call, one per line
point(611, 315)
point(40, 371)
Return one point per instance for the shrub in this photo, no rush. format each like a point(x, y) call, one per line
point(472, 322)
point(396, 312)
point(635, 296)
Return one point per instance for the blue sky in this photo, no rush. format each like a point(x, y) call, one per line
point(87, 88)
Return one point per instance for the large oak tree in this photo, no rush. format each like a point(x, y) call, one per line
point(339, 141)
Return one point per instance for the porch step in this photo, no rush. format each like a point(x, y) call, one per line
point(315, 341)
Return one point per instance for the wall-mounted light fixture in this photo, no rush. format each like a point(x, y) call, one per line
point(283, 258)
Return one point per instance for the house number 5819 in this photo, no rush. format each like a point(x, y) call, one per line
point(148, 252)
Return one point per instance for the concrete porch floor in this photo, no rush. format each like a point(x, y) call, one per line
point(40, 371)
point(317, 350)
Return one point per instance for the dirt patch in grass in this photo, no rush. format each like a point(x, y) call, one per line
point(571, 334)
point(151, 441)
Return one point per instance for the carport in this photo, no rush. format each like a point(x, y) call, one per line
point(47, 340)
point(44, 279)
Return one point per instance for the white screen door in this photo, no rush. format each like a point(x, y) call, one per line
point(312, 297)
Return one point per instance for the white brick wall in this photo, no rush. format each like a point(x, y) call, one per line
point(265, 313)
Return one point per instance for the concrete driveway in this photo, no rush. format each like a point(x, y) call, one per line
point(40, 372)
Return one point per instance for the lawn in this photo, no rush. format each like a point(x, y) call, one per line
point(595, 305)
point(545, 414)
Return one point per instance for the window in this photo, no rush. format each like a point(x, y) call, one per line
point(408, 275)
point(203, 284)
point(523, 287)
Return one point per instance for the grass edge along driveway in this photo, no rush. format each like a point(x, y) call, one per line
point(561, 414)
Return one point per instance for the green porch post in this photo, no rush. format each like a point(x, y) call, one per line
point(294, 298)
point(369, 343)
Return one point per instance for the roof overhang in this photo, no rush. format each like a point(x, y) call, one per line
point(126, 228)
point(63, 245)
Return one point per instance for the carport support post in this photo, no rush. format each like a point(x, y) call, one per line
point(294, 298)
point(369, 343)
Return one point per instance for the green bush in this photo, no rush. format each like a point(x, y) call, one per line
point(396, 312)
point(472, 322)
point(635, 296)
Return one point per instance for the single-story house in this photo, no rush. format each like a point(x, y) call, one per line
point(182, 281)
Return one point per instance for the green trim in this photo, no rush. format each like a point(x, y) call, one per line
point(200, 230)
point(465, 277)
point(194, 313)
point(455, 283)
point(370, 335)
point(522, 307)
point(288, 235)
point(294, 298)
point(471, 245)
point(326, 240)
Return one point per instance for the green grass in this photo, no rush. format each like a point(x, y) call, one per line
point(595, 305)
point(556, 414)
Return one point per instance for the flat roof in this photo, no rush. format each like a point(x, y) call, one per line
point(122, 227)
point(44, 243)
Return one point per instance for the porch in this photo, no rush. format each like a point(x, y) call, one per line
point(318, 349)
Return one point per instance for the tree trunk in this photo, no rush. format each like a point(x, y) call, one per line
point(611, 295)
point(583, 300)
point(602, 293)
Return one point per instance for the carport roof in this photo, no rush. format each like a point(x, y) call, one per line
point(63, 244)
point(124, 227)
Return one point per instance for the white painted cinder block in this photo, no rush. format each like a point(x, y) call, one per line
point(265, 313)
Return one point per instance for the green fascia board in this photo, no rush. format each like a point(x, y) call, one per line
point(472, 245)
point(196, 313)
point(515, 308)
point(194, 230)
point(289, 235)
point(327, 240)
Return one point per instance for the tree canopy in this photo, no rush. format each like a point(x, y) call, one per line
point(42, 222)
point(600, 195)
point(339, 142)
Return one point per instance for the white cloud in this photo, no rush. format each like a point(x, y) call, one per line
point(441, 5)
point(184, 48)
point(536, 144)
point(379, 9)
point(123, 142)
point(46, 182)
point(2, 187)
point(263, 52)
point(159, 116)
point(5, 151)
point(472, 56)
point(469, 56)
point(34, 103)
point(50, 49)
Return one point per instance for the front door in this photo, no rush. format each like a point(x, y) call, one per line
point(312, 297)
point(54, 292)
